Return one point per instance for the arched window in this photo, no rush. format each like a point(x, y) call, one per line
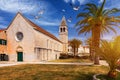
point(63, 29)
point(60, 29)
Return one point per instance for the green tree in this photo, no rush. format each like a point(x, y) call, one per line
point(110, 51)
point(75, 43)
point(97, 21)
point(89, 42)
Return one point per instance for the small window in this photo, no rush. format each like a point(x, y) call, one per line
point(63, 29)
point(3, 42)
point(60, 29)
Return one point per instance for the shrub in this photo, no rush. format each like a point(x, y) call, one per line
point(63, 56)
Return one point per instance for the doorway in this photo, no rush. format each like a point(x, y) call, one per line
point(20, 56)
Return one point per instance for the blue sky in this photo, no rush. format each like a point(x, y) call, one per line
point(48, 13)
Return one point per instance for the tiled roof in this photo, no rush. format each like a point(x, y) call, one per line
point(2, 30)
point(36, 27)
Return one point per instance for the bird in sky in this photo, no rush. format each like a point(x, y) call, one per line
point(63, 10)
point(75, 6)
point(69, 19)
point(36, 16)
point(41, 11)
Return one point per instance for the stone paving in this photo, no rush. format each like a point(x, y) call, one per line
point(2, 64)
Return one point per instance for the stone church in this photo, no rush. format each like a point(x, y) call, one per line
point(25, 41)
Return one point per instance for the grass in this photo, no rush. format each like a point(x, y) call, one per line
point(50, 72)
point(72, 60)
point(105, 77)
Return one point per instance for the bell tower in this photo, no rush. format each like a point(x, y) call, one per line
point(63, 35)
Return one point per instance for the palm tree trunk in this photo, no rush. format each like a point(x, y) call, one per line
point(74, 52)
point(112, 73)
point(91, 55)
point(96, 43)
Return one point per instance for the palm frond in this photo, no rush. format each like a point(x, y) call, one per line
point(101, 8)
point(112, 11)
point(85, 30)
point(92, 8)
point(112, 29)
point(110, 52)
point(82, 22)
point(104, 30)
point(83, 15)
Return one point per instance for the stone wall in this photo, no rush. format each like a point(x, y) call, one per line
point(27, 43)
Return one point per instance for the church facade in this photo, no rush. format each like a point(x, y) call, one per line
point(25, 41)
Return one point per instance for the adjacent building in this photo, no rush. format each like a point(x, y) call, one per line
point(82, 50)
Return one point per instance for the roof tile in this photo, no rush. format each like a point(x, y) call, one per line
point(36, 27)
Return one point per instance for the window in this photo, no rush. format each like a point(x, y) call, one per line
point(60, 29)
point(63, 29)
point(19, 36)
point(3, 42)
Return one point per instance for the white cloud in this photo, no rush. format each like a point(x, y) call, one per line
point(112, 4)
point(73, 1)
point(32, 7)
point(1, 18)
point(77, 37)
point(82, 1)
point(107, 37)
point(3, 26)
point(100, 1)
point(66, 1)
point(110, 36)
point(16, 5)
point(48, 23)
point(3, 22)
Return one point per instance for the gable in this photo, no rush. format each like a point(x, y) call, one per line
point(35, 27)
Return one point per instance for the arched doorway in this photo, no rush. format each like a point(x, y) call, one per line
point(19, 54)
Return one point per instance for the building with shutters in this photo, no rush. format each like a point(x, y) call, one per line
point(25, 41)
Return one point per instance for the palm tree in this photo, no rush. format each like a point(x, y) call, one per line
point(110, 51)
point(75, 43)
point(97, 21)
point(89, 42)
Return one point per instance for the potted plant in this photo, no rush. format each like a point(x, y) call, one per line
point(110, 51)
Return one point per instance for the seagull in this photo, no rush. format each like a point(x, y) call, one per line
point(69, 19)
point(36, 16)
point(63, 10)
point(75, 7)
point(41, 11)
